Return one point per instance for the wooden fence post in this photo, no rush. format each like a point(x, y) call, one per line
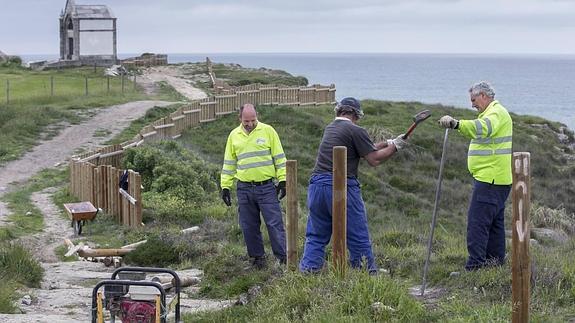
point(108, 83)
point(521, 262)
point(134, 82)
point(292, 214)
point(86, 90)
point(339, 208)
point(122, 83)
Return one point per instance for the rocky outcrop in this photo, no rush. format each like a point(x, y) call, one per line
point(549, 234)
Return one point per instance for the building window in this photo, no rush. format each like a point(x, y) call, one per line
point(70, 25)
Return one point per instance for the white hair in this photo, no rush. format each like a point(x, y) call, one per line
point(482, 87)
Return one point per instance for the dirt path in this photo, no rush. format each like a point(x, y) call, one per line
point(57, 150)
point(173, 76)
point(66, 290)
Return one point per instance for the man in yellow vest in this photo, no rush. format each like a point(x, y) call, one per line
point(255, 157)
point(489, 162)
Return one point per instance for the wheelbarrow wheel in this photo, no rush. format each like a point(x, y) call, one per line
point(77, 227)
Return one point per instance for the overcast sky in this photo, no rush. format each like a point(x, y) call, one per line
point(390, 26)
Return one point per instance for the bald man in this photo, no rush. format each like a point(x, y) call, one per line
point(255, 158)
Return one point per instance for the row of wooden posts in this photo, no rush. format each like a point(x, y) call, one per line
point(86, 87)
point(99, 185)
point(86, 171)
point(520, 262)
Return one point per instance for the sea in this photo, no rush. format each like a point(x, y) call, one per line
point(540, 85)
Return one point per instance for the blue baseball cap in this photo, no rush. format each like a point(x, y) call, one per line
point(352, 103)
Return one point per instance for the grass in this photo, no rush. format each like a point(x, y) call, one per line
point(17, 267)
point(180, 190)
point(235, 75)
point(399, 198)
point(294, 297)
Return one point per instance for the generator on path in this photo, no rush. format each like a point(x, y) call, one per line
point(133, 299)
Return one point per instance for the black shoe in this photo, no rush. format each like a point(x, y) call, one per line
point(259, 263)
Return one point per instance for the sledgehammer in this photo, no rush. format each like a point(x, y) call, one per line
point(417, 119)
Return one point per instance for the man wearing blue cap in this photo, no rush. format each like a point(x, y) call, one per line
point(343, 131)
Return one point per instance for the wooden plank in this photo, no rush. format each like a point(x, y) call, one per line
point(292, 214)
point(521, 261)
point(339, 207)
point(138, 197)
point(132, 189)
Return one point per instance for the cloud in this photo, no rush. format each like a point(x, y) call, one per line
point(298, 25)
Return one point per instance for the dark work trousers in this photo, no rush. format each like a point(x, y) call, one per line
point(319, 225)
point(252, 200)
point(485, 225)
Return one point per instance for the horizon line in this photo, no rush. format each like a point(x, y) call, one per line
point(325, 53)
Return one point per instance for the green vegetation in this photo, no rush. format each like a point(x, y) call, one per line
point(295, 298)
point(236, 75)
point(399, 199)
point(32, 110)
point(180, 180)
point(180, 190)
point(17, 267)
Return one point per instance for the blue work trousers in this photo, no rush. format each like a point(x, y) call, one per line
point(252, 200)
point(319, 225)
point(485, 225)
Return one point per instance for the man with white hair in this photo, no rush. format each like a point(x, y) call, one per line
point(489, 162)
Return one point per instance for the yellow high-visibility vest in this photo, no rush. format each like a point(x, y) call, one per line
point(490, 149)
point(257, 156)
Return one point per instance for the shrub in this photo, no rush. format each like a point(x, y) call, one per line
point(17, 264)
point(159, 251)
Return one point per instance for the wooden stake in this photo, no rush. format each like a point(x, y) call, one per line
point(292, 214)
point(339, 208)
point(103, 252)
point(521, 263)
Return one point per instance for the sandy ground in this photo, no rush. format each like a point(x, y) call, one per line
point(65, 293)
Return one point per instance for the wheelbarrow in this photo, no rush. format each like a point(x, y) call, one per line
point(79, 213)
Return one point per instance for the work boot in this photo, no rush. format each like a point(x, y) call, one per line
point(282, 261)
point(259, 263)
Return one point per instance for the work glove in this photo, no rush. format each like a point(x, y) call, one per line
point(448, 122)
point(226, 197)
point(281, 190)
point(399, 142)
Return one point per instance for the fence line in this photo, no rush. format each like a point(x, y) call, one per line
point(95, 175)
point(50, 85)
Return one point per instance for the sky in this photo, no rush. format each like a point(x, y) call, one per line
point(286, 26)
